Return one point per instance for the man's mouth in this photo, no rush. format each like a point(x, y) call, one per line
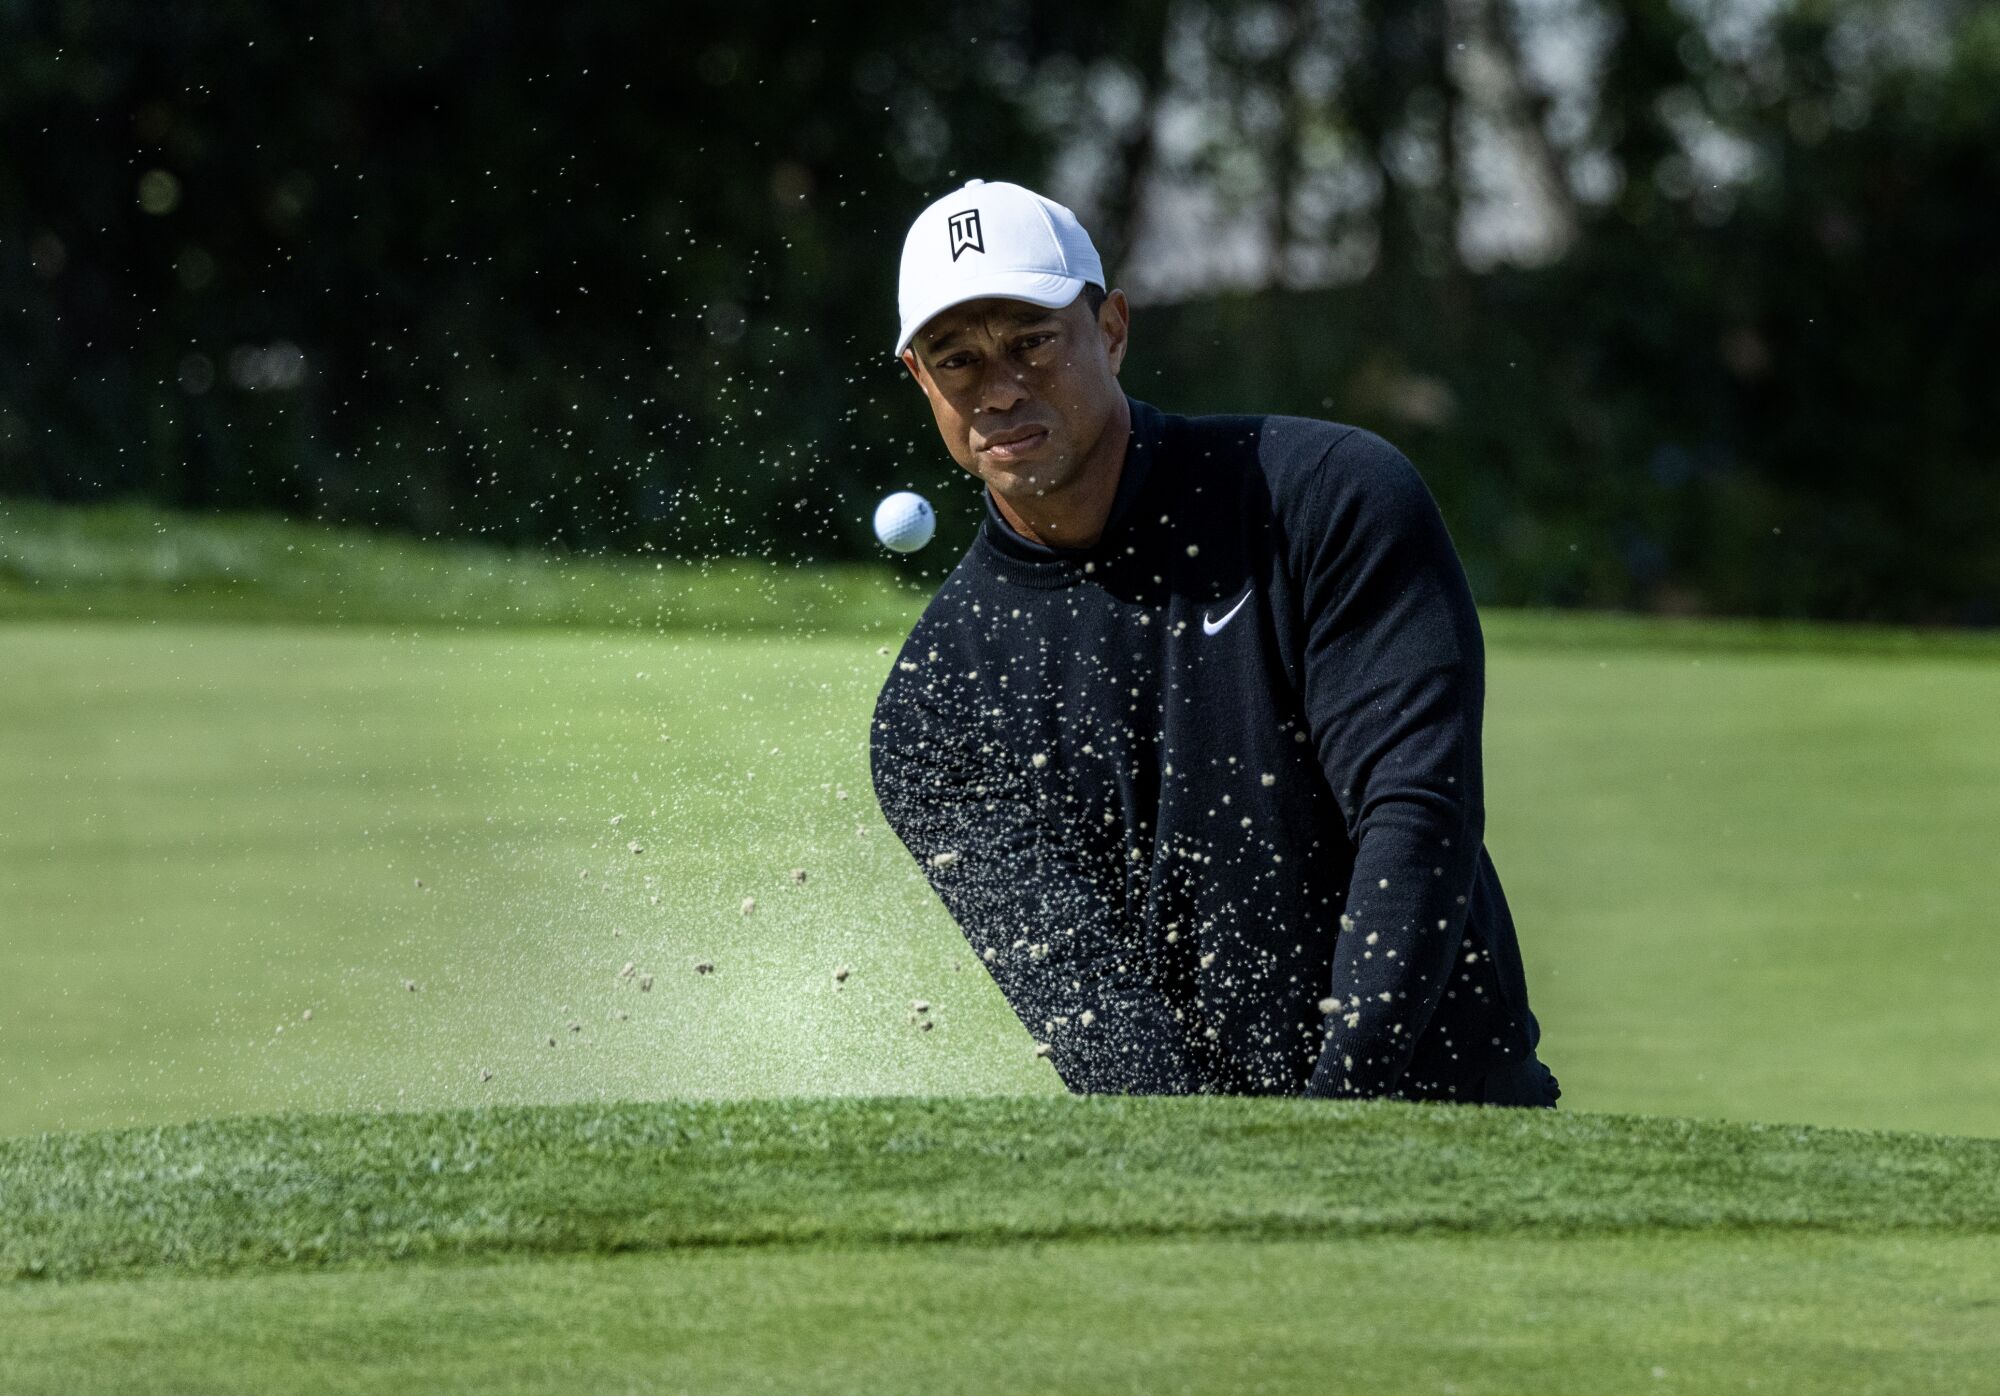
point(1015, 444)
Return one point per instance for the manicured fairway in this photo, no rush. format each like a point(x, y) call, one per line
point(1751, 883)
point(1749, 875)
point(1480, 1316)
point(999, 1245)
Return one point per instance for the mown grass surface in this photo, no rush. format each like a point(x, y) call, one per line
point(998, 1245)
point(130, 561)
point(208, 831)
point(1482, 1315)
point(1747, 862)
point(1749, 885)
point(306, 1190)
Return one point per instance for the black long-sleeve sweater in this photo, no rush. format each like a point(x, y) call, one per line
point(1205, 797)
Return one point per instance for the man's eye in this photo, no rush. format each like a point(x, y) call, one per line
point(1036, 341)
point(955, 361)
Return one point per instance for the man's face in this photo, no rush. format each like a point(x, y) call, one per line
point(1022, 395)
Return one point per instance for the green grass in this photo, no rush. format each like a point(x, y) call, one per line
point(340, 1189)
point(1694, 1314)
point(127, 561)
point(132, 561)
point(207, 831)
point(826, 1245)
point(1747, 863)
point(1749, 885)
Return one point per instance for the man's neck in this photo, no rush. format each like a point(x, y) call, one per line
point(1076, 517)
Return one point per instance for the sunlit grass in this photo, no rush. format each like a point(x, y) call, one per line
point(131, 560)
point(1071, 1244)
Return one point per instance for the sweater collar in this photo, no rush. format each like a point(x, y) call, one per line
point(1038, 564)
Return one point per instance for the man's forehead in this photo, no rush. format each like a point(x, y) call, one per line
point(954, 319)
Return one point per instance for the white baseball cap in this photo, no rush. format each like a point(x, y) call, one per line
point(993, 239)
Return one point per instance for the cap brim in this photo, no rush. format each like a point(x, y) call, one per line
point(1051, 290)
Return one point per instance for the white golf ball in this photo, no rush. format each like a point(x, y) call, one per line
point(905, 521)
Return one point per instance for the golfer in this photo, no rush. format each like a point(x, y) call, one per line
point(1189, 740)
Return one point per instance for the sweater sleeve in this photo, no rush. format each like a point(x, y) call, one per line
point(1394, 688)
point(1024, 890)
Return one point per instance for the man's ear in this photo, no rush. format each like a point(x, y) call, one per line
point(1114, 323)
point(916, 368)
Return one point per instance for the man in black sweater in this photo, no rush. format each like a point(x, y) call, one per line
point(1189, 741)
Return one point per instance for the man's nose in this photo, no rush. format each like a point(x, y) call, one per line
point(1000, 388)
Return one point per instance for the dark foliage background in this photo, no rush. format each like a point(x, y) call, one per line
point(622, 277)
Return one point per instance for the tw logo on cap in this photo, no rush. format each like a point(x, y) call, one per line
point(1039, 253)
point(965, 234)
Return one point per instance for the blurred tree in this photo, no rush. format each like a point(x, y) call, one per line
point(599, 276)
point(1740, 378)
point(1677, 303)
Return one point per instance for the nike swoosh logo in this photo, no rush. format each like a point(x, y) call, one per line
point(1211, 627)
